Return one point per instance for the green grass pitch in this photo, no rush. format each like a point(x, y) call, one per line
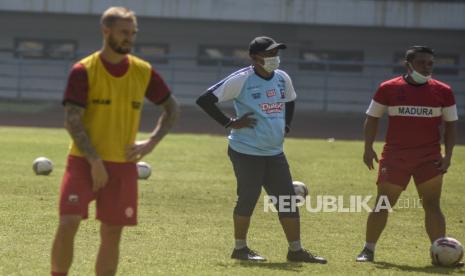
point(185, 212)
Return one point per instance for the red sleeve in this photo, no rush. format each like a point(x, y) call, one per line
point(77, 87)
point(381, 95)
point(449, 98)
point(157, 90)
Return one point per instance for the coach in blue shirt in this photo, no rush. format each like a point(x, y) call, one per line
point(263, 98)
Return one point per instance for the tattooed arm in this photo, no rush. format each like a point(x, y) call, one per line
point(73, 123)
point(167, 119)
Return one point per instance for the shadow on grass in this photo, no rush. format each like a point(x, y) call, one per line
point(287, 266)
point(426, 269)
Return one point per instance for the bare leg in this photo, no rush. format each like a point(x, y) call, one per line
point(430, 194)
point(63, 244)
point(241, 227)
point(108, 255)
point(291, 227)
point(377, 220)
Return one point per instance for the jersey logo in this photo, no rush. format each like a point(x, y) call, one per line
point(270, 93)
point(283, 95)
point(256, 96)
point(270, 108)
point(415, 111)
point(101, 101)
point(136, 105)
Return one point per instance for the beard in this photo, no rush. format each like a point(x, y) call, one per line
point(118, 48)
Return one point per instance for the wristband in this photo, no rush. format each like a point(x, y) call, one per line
point(287, 128)
point(231, 120)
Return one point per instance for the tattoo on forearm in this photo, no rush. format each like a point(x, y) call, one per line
point(76, 129)
point(166, 120)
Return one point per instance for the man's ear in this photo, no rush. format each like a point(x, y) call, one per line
point(105, 30)
point(255, 59)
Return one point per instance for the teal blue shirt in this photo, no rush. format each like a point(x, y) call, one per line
point(266, 98)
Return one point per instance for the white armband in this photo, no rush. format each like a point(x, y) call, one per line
point(449, 113)
point(376, 109)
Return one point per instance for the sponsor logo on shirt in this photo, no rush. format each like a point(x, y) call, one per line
point(283, 94)
point(101, 101)
point(270, 108)
point(270, 93)
point(256, 96)
point(415, 111)
point(421, 111)
point(136, 105)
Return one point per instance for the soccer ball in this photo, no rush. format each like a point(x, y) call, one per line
point(300, 189)
point(446, 251)
point(42, 166)
point(144, 170)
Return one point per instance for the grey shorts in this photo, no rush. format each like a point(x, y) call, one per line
point(254, 172)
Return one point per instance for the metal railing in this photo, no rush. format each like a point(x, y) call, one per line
point(323, 89)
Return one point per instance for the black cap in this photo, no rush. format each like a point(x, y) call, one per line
point(264, 43)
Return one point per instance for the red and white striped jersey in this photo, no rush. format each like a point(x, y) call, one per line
point(415, 115)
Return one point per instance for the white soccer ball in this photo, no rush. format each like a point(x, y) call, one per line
point(42, 166)
point(144, 170)
point(300, 189)
point(446, 251)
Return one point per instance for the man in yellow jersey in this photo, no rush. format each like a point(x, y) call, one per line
point(103, 102)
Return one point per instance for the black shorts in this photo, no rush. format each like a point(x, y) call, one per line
point(252, 172)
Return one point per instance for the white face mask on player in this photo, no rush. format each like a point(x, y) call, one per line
point(417, 77)
point(271, 63)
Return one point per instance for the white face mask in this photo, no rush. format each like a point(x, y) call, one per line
point(271, 63)
point(417, 77)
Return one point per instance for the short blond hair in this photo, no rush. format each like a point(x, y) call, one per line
point(112, 14)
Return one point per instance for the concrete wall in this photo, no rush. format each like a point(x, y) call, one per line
point(341, 91)
point(185, 35)
point(379, 13)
